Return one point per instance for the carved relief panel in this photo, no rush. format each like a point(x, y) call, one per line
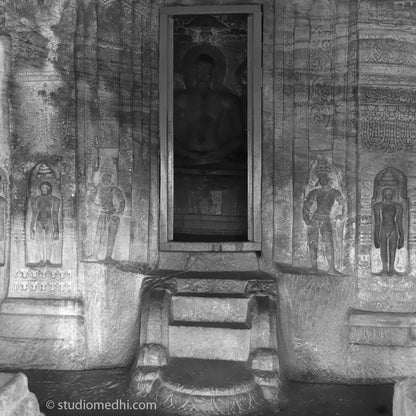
point(324, 216)
point(107, 208)
point(390, 210)
point(387, 232)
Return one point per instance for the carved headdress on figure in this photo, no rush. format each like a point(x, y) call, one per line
point(322, 166)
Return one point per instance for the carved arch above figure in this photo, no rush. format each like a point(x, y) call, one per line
point(390, 178)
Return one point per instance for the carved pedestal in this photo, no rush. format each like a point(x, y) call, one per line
point(208, 344)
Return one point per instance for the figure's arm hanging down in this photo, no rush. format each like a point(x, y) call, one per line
point(55, 212)
point(35, 212)
point(377, 220)
point(399, 222)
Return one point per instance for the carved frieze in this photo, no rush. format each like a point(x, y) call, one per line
point(389, 13)
point(388, 95)
point(322, 44)
point(387, 51)
point(54, 280)
point(388, 128)
point(396, 79)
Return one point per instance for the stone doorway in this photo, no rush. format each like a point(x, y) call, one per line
point(210, 125)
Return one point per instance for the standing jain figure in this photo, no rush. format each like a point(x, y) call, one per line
point(44, 224)
point(388, 229)
point(106, 194)
point(319, 222)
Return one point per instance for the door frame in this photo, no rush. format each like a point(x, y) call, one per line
point(254, 128)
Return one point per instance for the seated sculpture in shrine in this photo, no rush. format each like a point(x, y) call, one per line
point(388, 230)
point(208, 126)
point(44, 226)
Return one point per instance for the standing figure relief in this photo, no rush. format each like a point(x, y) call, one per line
point(320, 218)
point(44, 217)
point(390, 221)
point(110, 202)
point(388, 229)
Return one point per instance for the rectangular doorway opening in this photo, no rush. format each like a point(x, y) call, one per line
point(210, 126)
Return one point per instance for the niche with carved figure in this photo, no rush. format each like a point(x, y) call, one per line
point(210, 125)
point(390, 209)
point(44, 217)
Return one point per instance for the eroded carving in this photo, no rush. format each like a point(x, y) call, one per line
point(168, 284)
point(388, 128)
point(324, 212)
point(44, 218)
point(262, 288)
point(108, 203)
point(388, 205)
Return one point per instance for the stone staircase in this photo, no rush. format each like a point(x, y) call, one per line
point(208, 344)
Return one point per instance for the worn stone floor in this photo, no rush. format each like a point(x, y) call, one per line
point(111, 385)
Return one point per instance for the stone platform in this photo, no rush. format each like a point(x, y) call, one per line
point(208, 344)
point(42, 333)
point(15, 397)
point(211, 387)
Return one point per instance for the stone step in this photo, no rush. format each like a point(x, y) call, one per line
point(187, 310)
point(208, 387)
point(209, 343)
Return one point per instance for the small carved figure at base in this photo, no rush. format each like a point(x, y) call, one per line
point(388, 230)
point(319, 222)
